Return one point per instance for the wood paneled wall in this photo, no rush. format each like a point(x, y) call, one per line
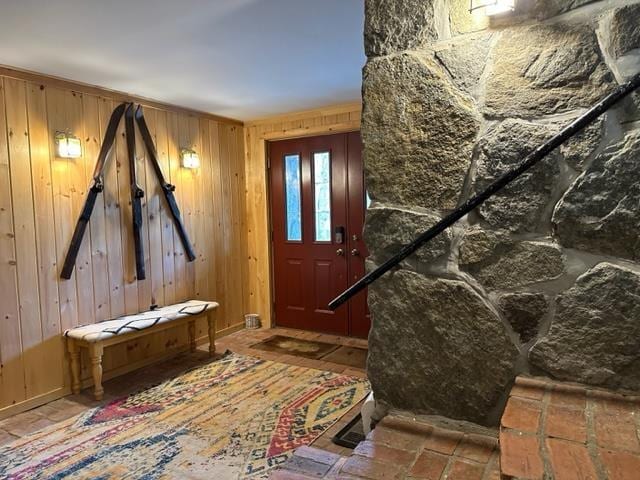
point(336, 119)
point(41, 197)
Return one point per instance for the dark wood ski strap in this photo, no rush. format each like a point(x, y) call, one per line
point(167, 188)
point(530, 160)
point(97, 187)
point(136, 192)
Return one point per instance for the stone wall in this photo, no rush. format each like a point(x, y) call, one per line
point(543, 278)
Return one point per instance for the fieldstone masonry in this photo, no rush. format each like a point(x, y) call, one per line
point(473, 332)
point(544, 278)
point(389, 229)
point(521, 206)
point(425, 164)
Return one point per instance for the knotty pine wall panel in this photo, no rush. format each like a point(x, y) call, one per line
point(41, 197)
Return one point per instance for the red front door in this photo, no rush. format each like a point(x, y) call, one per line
point(317, 209)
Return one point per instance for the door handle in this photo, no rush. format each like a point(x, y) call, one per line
point(340, 252)
point(355, 252)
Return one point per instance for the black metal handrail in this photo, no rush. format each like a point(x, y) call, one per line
point(530, 160)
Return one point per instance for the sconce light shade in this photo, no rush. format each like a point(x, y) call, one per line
point(190, 158)
point(493, 7)
point(68, 146)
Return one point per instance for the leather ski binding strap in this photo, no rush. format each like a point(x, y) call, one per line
point(137, 193)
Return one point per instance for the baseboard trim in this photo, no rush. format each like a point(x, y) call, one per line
point(34, 402)
point(223, 333)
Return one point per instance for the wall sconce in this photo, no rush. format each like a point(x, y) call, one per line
point(68, 146)
point(190, 158)
point(493, 7)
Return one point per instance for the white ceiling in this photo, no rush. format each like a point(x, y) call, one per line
point(238, 58)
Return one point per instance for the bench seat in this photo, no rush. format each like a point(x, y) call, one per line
point(96, 336)
point(97, 332)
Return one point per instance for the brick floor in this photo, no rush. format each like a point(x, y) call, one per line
point(566, 431)
point(549, 431)
point(401, 447)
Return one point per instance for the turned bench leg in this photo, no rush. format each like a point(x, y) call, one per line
point(95, 353)
point(74, 353)
point(211, 322)
point(192, 335)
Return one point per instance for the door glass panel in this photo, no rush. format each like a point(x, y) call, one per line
point(292, 197)
point(322, 193)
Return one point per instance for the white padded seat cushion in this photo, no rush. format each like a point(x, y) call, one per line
point(134, 323)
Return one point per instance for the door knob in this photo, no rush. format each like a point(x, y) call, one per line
point(355, 252)
point(340, 252)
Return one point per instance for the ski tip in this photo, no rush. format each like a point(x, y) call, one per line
point(120, 108)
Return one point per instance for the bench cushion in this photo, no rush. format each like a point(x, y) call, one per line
point(97, 332)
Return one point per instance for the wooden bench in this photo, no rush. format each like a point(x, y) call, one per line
point(96, 336)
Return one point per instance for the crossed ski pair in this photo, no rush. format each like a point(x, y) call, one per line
point(127, 109)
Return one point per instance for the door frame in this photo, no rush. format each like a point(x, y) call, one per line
point(270, 213)
point(339, 119)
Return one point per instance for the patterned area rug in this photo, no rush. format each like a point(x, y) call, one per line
point(234, 418)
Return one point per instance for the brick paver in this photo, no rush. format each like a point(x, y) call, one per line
point(570, 460)
point(620, 465)
point(566, 423)
point(520, 455)
point(386, 454)
point(429, 465)
point(465, 470)
point(523, 415)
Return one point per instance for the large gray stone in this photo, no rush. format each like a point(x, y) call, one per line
point(465, 60)
point(478, 245)
point(436, 348)
point(464, 21)
point(396, 25)
point(521, 206)
point(543, 9)
point(418, 132)
point(578, 150)
point(600, 213)
point(624, 31)
point(545, 69)
point(524, 311)
point(389, 229)
point(595, 334)
point(500, 263)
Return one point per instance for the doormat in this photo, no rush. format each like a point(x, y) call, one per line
point(234, 418)
point(296, 346)
point(351, 434)
point(350, 356)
